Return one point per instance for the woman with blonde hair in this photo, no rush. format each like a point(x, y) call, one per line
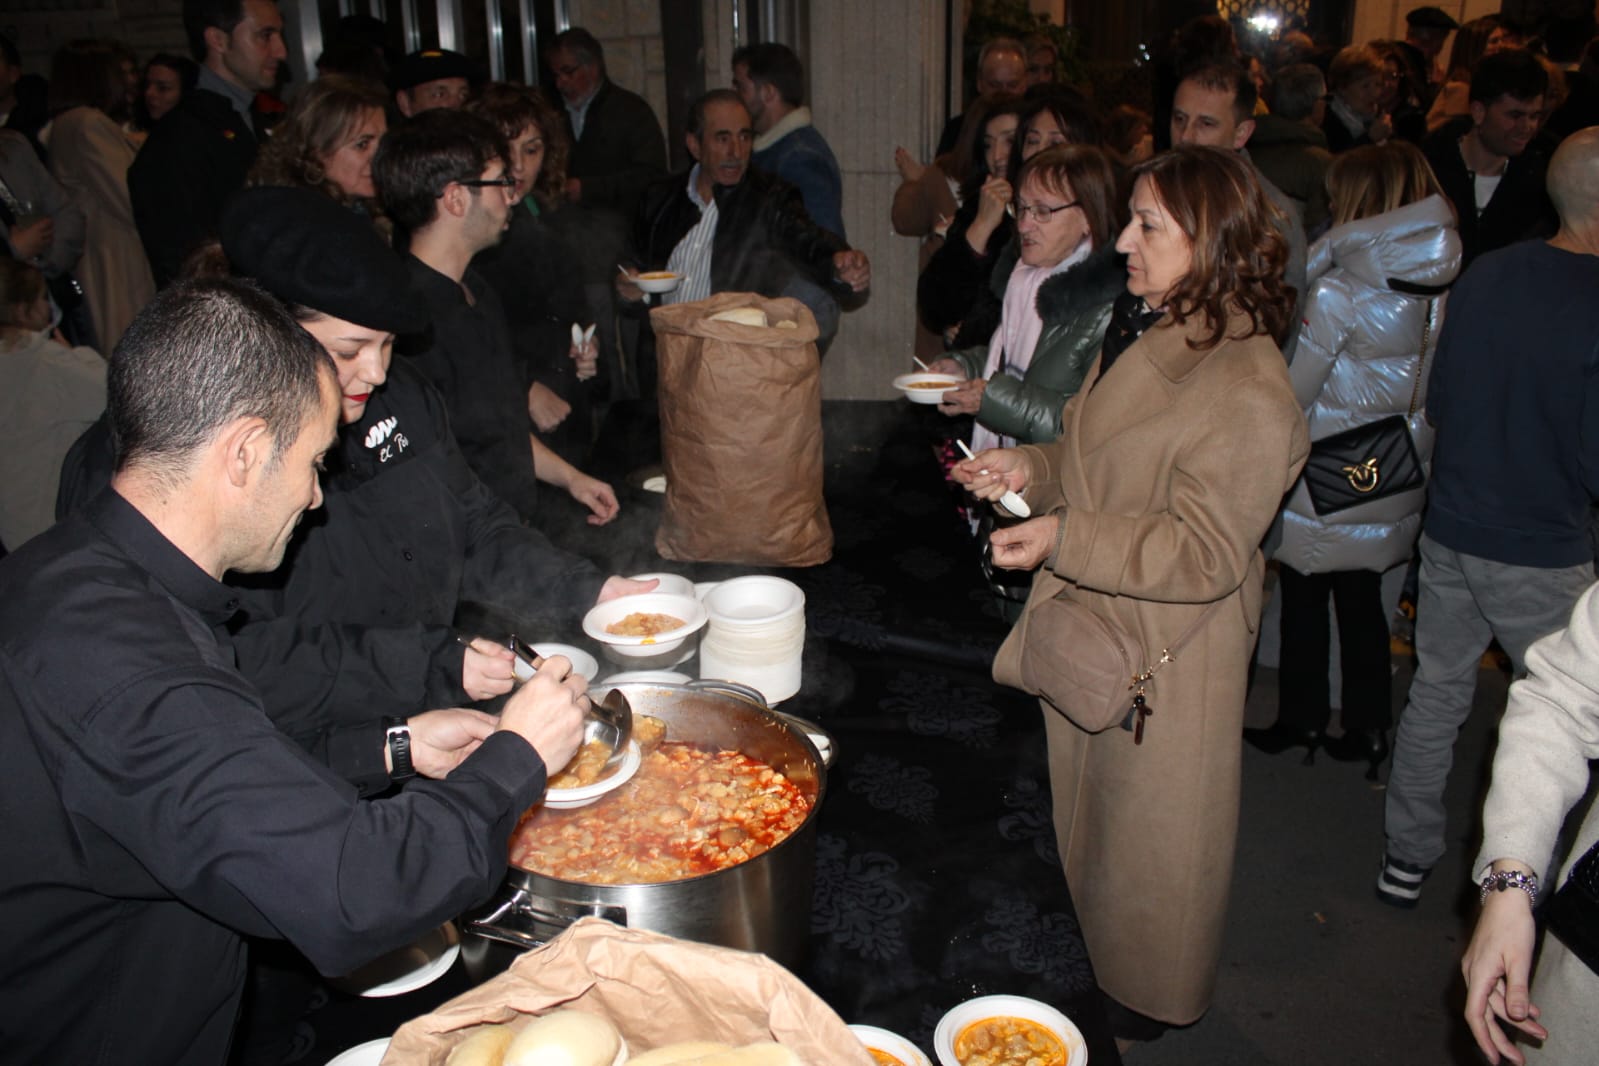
point(326, 142)
point(1371, 323)
point(1148, 515)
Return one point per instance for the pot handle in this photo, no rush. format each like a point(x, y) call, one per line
point(826, 746)
point(732, 688)
point(528, 920)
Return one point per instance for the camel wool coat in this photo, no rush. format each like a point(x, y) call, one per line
point(1168, 472)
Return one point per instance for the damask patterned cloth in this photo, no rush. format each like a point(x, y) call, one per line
point(937, 876)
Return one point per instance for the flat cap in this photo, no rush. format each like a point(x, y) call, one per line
point(305, 248)
point(1431, 18)
point(431, 64)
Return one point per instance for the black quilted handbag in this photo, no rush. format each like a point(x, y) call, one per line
point(1371, 461)
point(1573, 912)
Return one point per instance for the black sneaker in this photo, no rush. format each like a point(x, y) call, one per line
point(1399, 883)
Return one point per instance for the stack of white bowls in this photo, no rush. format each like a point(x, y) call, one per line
point(755, 635)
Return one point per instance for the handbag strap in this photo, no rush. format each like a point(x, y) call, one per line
point(1169, 652)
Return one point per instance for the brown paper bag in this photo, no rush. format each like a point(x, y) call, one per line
point(741, 435)
point(656, 989)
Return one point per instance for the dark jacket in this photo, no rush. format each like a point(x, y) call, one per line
point(957, 277)
point(763, 235)
point(196, 155)
point(1294, 156)
point(1520, 208)
point(802, 158)
point(1075, 306)
point(621, 150)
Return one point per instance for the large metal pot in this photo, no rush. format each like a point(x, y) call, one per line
point(762, 905)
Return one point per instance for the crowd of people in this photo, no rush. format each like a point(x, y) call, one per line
point(283, 386)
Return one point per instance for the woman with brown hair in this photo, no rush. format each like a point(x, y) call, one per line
point(1149, 511)
point(1371, 323)
point(326, 142)
point(1475, 39)
point(535, 270)
point(1056, 286)
point(90, 155)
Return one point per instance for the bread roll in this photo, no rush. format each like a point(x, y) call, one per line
point(788, 324)
point(678, 1053)
point(485, 1047)
point(565, 1038)
point(744, 316)
point(764, 1054)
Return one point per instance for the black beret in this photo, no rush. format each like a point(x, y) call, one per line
point(418, 68)
point(305, 248)
point(1431, 18)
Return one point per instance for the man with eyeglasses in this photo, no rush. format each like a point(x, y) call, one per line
point(442, 178)
point(617, 146)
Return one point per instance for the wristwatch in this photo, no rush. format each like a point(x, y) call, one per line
point(399, 739)
point(1508, 879)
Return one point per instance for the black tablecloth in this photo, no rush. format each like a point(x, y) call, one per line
point(937, 876)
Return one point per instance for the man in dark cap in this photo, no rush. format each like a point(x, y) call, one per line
point(434, 78)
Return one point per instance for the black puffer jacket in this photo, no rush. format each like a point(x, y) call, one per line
point(763, 235)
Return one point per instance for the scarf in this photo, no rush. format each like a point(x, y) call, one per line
point(1129, 318)
point(1011, 349)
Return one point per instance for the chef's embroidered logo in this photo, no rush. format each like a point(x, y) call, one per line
point(379, 436)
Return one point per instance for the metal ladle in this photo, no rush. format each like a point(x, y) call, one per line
point(610, 721)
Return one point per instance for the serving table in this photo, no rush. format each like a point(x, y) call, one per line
point(937, 877)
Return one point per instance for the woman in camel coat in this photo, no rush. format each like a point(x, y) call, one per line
point(1173, 460)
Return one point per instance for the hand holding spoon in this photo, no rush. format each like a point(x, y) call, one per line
point(1010, 501)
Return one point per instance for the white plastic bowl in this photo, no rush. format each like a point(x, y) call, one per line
point(957, 1018)
point(751, 602)
point(670, 584)
point(565, 799)
point(890, 1043)
point(368, 1054)
point(914, 386)
point(663, 281)
point(582, 662)
point(612, 611)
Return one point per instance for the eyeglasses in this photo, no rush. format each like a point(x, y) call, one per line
point(1037, 212)
point(506, 182)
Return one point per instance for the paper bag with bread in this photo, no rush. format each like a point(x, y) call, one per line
point(741, 432)
point(604, 995)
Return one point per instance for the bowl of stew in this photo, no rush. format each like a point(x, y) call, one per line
point(1007, 1031)
point(925, 388)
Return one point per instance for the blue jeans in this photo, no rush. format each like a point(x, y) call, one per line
point(1463, 601)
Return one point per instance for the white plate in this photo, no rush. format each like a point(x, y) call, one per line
point(418, 978)
point(367, 1054)
point(906, 383)
point(892, 1044)
point(957, 1018)
point(658, 284)
point(566, 799)
point(690, 610)
point(582, 662)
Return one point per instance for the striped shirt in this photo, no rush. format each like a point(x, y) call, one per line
point(692, 257)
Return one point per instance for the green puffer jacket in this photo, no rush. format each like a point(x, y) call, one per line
point(1075, 306)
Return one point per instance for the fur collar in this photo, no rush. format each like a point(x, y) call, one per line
point(1088, 286)
point(796, 119)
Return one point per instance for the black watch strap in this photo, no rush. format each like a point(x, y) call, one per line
point(399, 741)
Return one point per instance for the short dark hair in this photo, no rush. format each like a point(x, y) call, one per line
point(770, 63)
point(1296, 89)
point(424, 154)
point(201, 15)
point(201, 354)
point(582, 44)
point(1227, 77)
point(88, 73)
point(188, 70)
point(696, 111)
point(1514, 72)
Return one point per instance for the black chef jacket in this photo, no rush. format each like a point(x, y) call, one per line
point(468, 357)
point(152, 813)
point(356, 622)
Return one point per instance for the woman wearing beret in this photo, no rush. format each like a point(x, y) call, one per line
point(1150, 509)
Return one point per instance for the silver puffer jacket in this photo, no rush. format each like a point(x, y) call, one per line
point(1359, 350)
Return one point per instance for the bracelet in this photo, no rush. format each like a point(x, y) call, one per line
point(1499, 882)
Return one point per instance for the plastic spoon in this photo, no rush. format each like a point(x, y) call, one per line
point(1010, 501)
point(921, 364)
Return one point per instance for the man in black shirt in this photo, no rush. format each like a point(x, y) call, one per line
point(153, 813)
point(443, 180)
